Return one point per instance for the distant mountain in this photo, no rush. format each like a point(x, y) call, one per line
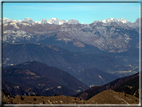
point(110, 35)
point(116, 85)
point(46, 34)
point(114, 20)
point(118, 39)
point(29, 20)
point(88, 76)
point(54, 74)
point(73, 63)
point(114, 37)
point(43, 21)
point(25, 82)
point(71, 21)
point(92, 53)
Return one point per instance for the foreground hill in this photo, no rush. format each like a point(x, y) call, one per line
point(131, 87)
point(112, 85)
point(112, 97)
point(25, 82)
point(105, 97)
point(54, 74)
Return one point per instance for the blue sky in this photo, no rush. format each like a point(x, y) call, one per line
point(83, 12)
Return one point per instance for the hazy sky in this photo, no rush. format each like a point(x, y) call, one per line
point(83, 12)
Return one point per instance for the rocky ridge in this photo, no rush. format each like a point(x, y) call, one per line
point(110, 35)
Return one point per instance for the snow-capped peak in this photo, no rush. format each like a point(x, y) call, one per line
point(29, 20)
point(55, 21)
point(54, 18)
point(60, 22)
point(38, 22)
point(114, 20)
point(73, 21)
point(122, 20)
point(104, 21)
point(43, 21)
point(5, 18)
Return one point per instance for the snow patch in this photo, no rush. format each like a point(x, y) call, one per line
point(54, 18)
point(14, 25)
point(25, 24)
point(59, 87)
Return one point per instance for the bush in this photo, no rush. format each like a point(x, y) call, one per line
point(22, 98)
point(34, 99)
point(125, 95)
point(3, 90)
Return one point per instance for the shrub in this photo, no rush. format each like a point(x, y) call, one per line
point(22, 98)
point(37, 95)
point(34, 99)
point(125, 95)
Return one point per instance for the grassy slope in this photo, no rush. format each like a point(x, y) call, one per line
point(105, 97)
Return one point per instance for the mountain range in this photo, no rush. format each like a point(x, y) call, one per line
point(114, 36)
point(43, 21)
point(118, 39)
point(39, 78)
point(77, 64)
point(62, 57)
point(59, 22)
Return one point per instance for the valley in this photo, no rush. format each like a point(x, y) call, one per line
point(76, 64)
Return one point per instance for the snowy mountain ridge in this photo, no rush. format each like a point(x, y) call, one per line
point(60, 22)
point(114, 20)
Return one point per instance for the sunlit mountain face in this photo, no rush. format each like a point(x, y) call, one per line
point(110, 35)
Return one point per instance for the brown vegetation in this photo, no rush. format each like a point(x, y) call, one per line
point(112, 97)
point(105, 97)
